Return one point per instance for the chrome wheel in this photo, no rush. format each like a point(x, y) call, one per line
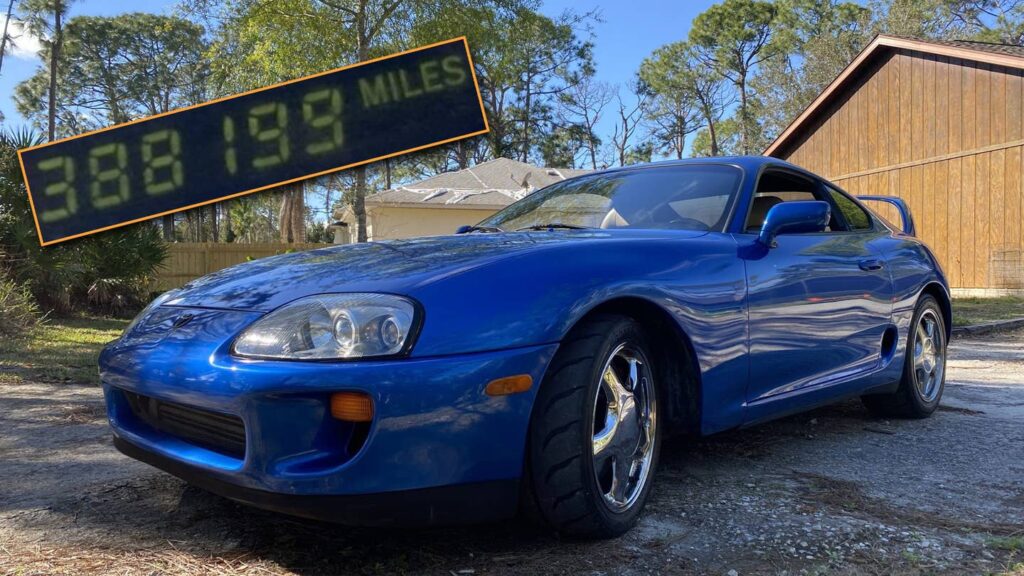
point(929, 356)
point(625, 414)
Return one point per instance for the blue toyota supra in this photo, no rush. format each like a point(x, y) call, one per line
point(537, 360)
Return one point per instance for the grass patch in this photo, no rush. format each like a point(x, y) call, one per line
point(1010, 544)
point(968, 311)
point(61, 350)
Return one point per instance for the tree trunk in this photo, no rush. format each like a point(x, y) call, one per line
point(705, 109)
point(201, 216)
point(744, 136)
point(359, 204)
point(214, 228)
point(285, 216)
point(3, 38)
point(461, 156)
point(292, 216)
point(526, 125)
point(168, 226)
point(58, 38)
point(714, 138)
point(229, 230)
point(298, 213)
point(359, 199)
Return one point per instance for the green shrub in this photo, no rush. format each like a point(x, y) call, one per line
point(19, 313)
point(47, 272)
point(120, 266)
point(108, 272)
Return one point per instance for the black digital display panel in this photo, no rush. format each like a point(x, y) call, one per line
point(253, 141)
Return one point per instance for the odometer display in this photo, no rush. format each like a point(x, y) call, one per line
point(253, 141)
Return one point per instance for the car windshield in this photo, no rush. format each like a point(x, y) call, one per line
point(680, 197)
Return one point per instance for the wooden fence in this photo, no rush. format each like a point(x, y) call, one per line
point(187, 261)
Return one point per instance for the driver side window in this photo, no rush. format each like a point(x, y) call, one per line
point(775, 188)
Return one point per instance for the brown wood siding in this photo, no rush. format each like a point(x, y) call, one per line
point(945, 135)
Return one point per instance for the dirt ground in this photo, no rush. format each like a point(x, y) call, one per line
point(827, 492)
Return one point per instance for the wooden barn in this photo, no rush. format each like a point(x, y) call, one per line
point(940, 125)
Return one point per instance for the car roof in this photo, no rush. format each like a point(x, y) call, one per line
point(748, 163)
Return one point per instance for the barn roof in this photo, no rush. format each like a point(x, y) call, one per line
point(998, 54)
point(495, 183)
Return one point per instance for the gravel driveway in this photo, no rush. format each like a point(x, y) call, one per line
point(832, 491)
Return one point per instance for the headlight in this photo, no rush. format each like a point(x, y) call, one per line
point(331, 326)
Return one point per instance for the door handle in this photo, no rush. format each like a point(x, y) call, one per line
point(869, 265)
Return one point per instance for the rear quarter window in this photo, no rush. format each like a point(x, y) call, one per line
point(856, 217)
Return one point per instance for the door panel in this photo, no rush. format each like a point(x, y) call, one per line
point(818, 307)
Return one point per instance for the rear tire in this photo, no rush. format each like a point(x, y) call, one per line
point(924, 368)
point(592, 480)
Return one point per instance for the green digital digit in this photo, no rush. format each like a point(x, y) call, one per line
point(102, 196)
point(328, 121)
point(230, 153)
point(279, 113)
point(63, 188)
point(169, 159)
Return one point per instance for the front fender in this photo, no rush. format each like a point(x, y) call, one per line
point(537, 297)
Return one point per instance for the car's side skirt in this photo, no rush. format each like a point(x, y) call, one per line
point(781, 405)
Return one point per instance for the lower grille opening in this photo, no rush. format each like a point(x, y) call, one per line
point(220, 433)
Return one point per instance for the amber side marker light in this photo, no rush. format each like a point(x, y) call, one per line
point(509, 385)
point(352, 407)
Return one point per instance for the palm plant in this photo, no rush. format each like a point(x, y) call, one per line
point(121, 266)
point(48, 272)
point(111, 271)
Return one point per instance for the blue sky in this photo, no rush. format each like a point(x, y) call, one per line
point(630, 31)
point(22, 65)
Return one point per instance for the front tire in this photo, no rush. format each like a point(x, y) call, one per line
point(924, 368)
point(594, 436)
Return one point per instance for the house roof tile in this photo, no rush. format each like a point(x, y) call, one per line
point(498, 182)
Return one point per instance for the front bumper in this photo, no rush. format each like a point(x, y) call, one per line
point(433, 425)
point(443, 505)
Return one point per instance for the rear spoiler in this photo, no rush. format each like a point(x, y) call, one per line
point(901, 207)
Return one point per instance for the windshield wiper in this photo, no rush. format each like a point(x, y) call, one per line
point(468, 229)
point(552, 226)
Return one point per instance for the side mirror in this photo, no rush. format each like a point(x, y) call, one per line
point(463, 229)
point(794, 218)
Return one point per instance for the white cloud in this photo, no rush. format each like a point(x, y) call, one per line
point(21, 42)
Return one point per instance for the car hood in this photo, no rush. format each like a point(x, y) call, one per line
point(395, 266)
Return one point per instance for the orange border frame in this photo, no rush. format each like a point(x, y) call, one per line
point(479, 97)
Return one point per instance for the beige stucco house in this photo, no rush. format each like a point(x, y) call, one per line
point(440, 204)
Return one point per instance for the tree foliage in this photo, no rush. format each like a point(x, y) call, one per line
point(816, 39)
point(45, 19)
point(115, 69)
point(735, 37)
point(745, 69)
point(688, 94)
